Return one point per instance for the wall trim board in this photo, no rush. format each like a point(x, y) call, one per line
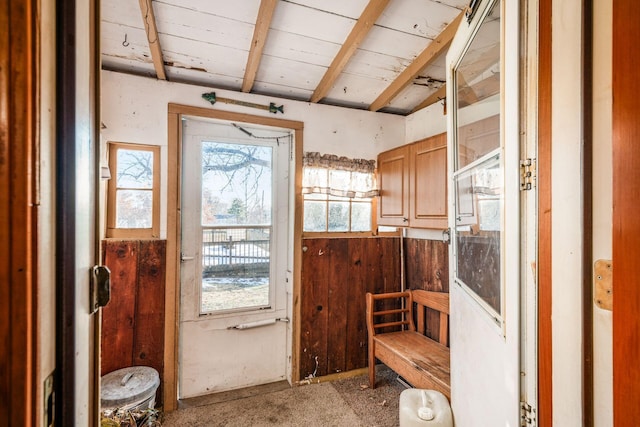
point(626, 190)
point(545, 349)
point(19, 140)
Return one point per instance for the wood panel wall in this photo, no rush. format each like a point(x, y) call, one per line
point(133, 320)
point(427, 267)
point(336, 275)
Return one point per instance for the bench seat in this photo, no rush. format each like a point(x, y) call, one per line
point(422, 361)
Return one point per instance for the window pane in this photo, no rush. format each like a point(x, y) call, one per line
point(338, 216)
point(236, 184)
point(134, 208)
point(235, 268)
point(135, 168)
point(315, 216)
point(478, 240)
point(361, 216)
point(477, 80)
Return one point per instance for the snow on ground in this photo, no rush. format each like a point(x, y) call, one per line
point(224, 293)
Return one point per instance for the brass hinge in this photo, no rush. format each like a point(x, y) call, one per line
point(527, 174)
point(527, 415)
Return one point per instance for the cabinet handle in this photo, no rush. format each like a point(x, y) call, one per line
point(405, 219)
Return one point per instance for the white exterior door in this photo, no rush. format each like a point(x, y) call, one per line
point(233, 309)
point(485, 261)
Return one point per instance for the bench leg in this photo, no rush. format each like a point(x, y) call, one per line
point(372, 365)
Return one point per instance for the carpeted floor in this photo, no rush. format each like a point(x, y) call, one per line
point(348, 402)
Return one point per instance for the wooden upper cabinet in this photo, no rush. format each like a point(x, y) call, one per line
point(393, 183)
point(428, 183)
point(413, 184)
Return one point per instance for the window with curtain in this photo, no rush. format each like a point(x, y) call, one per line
point(338, 193)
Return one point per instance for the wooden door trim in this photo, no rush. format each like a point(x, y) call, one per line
point(587, 214)
point(18, 219)
point(545, 372)
point(172, 291)
point(625, 228)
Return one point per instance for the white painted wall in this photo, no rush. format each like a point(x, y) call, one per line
point(134, 109)
point(425, 123)
point(602, 208)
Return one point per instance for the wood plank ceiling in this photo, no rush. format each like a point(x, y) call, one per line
point(381, 55)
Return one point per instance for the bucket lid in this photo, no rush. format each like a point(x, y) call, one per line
point(128, 385)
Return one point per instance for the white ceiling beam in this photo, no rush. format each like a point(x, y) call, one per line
point(150, 28)
point(437, 46)
point(263, 22)
point(360, 30)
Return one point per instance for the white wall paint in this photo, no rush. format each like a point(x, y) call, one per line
point(566, 216)
point(602, 207)
point(425, 123)
point(134, 109)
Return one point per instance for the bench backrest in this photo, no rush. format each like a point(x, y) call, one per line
point(406, 314)
point(438, 301)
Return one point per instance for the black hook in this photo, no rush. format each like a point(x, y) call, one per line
point(125, 43)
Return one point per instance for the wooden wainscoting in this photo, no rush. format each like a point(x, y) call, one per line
point(427, 267)
point(133, 320)
point(336, 275)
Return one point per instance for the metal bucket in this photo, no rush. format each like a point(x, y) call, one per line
point(129, 389)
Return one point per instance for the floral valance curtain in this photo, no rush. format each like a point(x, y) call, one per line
point(338, 176)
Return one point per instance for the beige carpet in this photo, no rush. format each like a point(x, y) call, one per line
point(347, 402)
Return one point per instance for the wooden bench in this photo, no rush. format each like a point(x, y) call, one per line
point(423, 362)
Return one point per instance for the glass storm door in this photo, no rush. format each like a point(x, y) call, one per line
point(483, 132)
point(234, 231)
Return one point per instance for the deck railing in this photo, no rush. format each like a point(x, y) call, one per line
point(235, 249)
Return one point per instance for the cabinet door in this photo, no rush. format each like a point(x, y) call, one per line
point(428, 183)
point(393, 182)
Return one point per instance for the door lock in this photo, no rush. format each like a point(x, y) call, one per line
point(100, 290)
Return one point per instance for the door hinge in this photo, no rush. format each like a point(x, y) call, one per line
point(527, 174)
point(527, 415)
point(446, 236)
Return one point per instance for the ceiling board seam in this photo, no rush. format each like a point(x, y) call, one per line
point(204, 12)
point(319, 10)
point(427, 56)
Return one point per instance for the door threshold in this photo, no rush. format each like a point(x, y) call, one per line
point(225, 396)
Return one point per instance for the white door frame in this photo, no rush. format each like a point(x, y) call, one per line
point(172, 291)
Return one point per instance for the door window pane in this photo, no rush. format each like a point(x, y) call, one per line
point(479, 176)
point(236, 206)
point(478, 240)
